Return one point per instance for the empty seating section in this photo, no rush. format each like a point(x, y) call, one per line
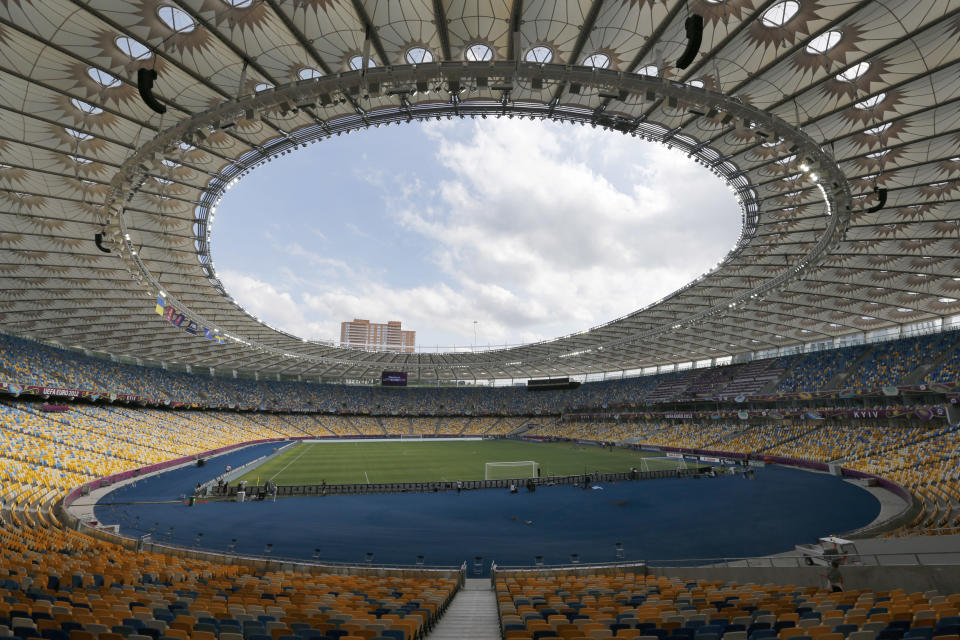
point(890, 362)
point(754, 377)
point(593, 607)
point(696, 436)
point(815, 370)
point(669, 387)
point(598, 431)
point(399, 426)
point(366, 425)
point(948, 372)
point(724, 381)
point(708, 382)
point(830, 442)
point(58, 584)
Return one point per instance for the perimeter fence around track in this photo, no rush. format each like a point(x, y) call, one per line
point(256, 492)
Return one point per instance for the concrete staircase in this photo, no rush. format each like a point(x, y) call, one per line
point(472, 614)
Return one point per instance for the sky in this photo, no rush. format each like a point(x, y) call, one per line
point(517, 230)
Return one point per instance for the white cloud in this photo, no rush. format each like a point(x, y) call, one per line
point(277, 308)
point(537, 229)
point(544, 244)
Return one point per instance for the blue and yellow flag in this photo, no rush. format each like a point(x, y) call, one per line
point(160, 305)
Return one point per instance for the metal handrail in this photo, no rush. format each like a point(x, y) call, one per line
point(264, 557)
point(914, 558)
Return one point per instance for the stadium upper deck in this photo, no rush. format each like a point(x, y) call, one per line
point(924, 364)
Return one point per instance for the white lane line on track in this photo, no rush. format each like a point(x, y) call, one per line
point(305, 447)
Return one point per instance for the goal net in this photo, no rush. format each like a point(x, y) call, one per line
point(510, 470)
point(411, 436)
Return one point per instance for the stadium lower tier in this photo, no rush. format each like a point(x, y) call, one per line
point(45, 454)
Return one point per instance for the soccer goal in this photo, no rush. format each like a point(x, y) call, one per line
point(510, 470)
point(411, 436)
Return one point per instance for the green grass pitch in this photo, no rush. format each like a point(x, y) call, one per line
point(376, 462)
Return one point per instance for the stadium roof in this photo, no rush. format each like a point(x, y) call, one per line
point(873, 83)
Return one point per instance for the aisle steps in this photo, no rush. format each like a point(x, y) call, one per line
point(472, 614)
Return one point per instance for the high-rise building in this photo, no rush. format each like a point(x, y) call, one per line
point(363, 334)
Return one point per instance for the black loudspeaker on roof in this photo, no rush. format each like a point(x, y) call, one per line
point(145, 78)
point(98, 240)
point(881, 200)
point(694, 27)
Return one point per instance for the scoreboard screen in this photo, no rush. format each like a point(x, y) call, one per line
point(393, 379)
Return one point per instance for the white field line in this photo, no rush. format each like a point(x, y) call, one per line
point(290, 463)
point(366, 476)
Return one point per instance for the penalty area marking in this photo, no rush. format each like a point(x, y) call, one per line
point(289, 463)
point(366, 476)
